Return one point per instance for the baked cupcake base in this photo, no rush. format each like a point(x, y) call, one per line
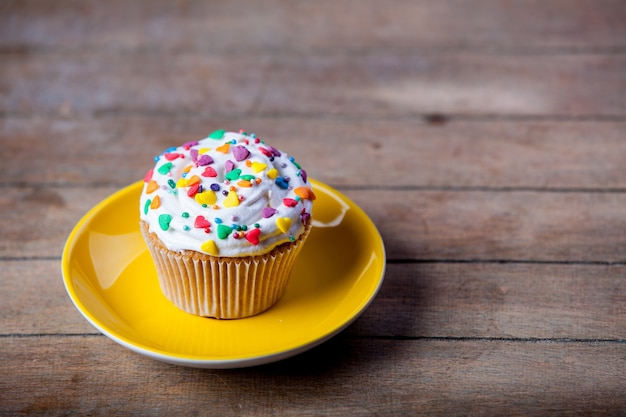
point(223, 287)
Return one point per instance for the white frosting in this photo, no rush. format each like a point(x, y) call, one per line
point(267, 203)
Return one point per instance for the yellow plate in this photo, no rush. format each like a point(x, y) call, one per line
point(109, 275)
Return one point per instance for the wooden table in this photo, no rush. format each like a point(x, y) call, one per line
point(485, 139)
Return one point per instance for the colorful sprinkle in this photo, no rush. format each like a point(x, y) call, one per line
point(193, 181)
point(193, 190)
point(152, 187)
point(290, 202)
point(232, 200)
point(210, 247)
point(282, 183)
point(224, 148)
point(217, 134)
point(204, 160)
point(206, 197)
point(201, 223)
point(146, 206)
point(233, 175)
point(272, 173)
point(164, 221)
point(240, 153)
point(165, 168)
point(283, 224)
point(269, 212)
point(258, 167)
point(209, 172)
point(148, 175)
point(305, 192)
point(223, 231)
point(253, 236)
point(156, 203)
point(172, 156)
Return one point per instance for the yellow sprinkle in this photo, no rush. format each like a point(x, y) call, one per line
point(181, 183)
point(232, 200)
point(258, 167)
point(207, 197)
point(156, 203)
point(202, 151)
point(283, 224)
point(272, 173)
point(210, 247)
point(187, 169)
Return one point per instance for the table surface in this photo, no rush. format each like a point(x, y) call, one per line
point(485, 139)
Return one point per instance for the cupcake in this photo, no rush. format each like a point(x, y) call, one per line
point(224, 219)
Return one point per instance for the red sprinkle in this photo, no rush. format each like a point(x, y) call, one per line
point(290, 202)
point(172, 156)
point(148, 176)
point(201, 223)
point(253, 236)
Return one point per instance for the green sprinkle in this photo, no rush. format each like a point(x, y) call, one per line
point(146, 206)
point(171, 183)
point(257, 225)
point(186, 228)
point(164, 221)
point(185, 215)
point(233, 175)
point(223, 231)
point(218, 134)
point(248, 177)
point(165, 168)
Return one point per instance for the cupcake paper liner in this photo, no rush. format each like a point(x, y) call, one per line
point(223, 287)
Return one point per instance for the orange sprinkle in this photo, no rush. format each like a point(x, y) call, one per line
point(156, 203)
point(152, 186)
point(244, 183)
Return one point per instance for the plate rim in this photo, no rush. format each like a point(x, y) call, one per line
point(207, 362)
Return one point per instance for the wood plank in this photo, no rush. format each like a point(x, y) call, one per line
point(418, 225)
point(498, 300)
point(362, 85)
point(361, 153)
point(278, 25)
point(480, 225)
point(416, 300)
point(342, 377)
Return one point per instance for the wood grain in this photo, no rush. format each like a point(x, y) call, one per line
point(511, 301)
point(361, 377)
point(380, 84)
point(485, 139)
point(364, 153)
point(276, 26)
point(415, 225)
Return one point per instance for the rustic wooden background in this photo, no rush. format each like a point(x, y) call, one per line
point(486, 139)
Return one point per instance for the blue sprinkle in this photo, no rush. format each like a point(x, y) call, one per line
point(218, 220)
point(282, 183)
point(215, 187)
